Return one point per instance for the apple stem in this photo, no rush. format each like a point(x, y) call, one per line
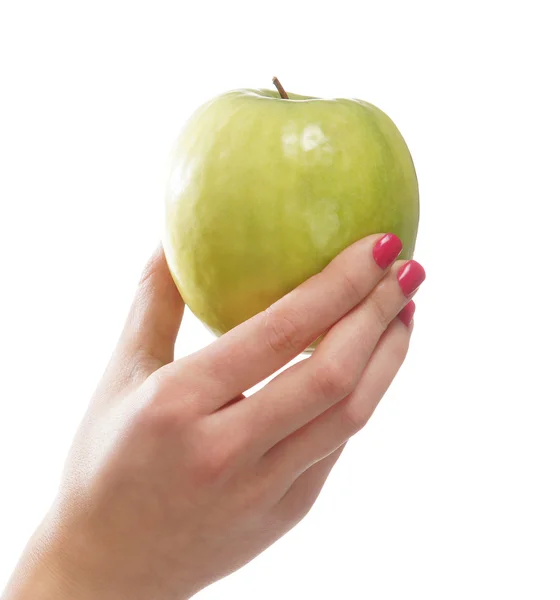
point(280, 89)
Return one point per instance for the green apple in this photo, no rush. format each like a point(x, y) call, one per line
point(264, 190)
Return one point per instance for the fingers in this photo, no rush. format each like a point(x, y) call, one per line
point(305, 490)
point(301, 393)
point(262, 345)
point(322, 436)
point(149, 335)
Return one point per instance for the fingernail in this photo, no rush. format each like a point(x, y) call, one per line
point(386, 250)
point(407, 313)
point(410, 276)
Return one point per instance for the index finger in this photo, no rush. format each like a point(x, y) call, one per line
point(263, 344)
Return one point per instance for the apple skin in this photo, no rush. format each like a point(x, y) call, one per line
point(263, 192)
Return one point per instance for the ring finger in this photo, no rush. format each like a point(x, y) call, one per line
point(309, 388)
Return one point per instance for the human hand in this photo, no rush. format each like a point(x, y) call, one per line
point(175, 479)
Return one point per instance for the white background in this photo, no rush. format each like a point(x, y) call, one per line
point(452, 491)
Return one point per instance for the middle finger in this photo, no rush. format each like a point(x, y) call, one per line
point(309, 388)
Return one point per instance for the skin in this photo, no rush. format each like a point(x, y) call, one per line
point(264, 192)
point(175, 479)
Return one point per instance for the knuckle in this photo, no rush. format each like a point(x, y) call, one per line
point(351, 289)
point(156, 386)
point(162, 419)
point(167, 386)
point(216, 456)
point(380, 312)
point(164, 413)
point(215, 463)
point(399, 350)
point(355, 417)
point(257, 497)
point(298, 510)
point(333, 380)
point(283, 334)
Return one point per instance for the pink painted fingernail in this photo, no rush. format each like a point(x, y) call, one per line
point(407, 313)
point(410, 276)
point(386, 250)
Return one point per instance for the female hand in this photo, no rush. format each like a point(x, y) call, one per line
point(175, 479)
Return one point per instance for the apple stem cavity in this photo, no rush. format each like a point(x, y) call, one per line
point(280, 88)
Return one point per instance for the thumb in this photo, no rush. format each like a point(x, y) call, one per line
point(151, 329)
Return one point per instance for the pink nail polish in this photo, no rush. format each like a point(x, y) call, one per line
point(407, 313)
point(386, 250)
point(410, 276)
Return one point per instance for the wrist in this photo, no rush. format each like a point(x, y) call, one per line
point(43, 573)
